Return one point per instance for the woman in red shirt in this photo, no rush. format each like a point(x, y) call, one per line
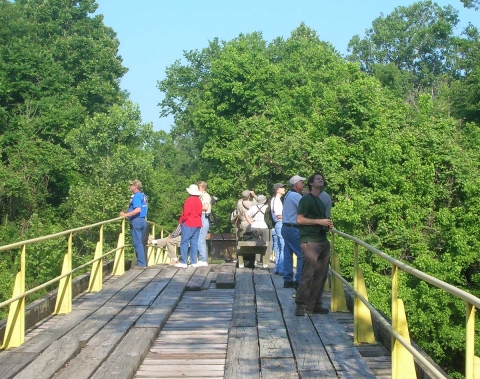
point(191, 222)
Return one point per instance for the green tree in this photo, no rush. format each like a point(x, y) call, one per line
point(417, 40)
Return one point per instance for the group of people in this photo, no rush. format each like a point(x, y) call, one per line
point(301, 222)
point(191, 231)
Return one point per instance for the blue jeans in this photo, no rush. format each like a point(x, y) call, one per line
point(138, 226)
point(292, 246)
point(189, 236)
point(278, 246)
point(202, 239)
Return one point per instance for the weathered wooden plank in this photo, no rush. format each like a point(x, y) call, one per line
point(316, 374)
point(125, 360)
point(274, 343)
point(208, 280)
point(198, 279)
point(52, 359)
point(278, 368)
point(134, 287)
point(184, 362)
point(345, 357)
point(101, 345)
point(112, 287)
point(157, 314)
point(225, 280)
point(244, 311)
point(242, 353)
point(148, 294)
point(16, 362)
point(244, 282)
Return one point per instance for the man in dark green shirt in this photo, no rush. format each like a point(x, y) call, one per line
point(314, 224)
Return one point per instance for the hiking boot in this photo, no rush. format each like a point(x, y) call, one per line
point(287, 284)
point(173, 262)
point(318, 309)
point(295, 285)
point(300, 310)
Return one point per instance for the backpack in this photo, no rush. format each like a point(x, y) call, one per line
point(268, 218)
point(234, 217)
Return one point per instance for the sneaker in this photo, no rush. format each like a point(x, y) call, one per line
point(137, 267)
point(194, 265)
point(295, 285)
point(318, 309)
point(288, 284)
point(181, 265)
point(202, 263)
point(300, 310)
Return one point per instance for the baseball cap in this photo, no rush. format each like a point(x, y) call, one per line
point(137, 183)
point(295, 179)
point(276, 186)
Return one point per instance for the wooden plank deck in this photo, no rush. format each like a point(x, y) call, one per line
point(209, 322)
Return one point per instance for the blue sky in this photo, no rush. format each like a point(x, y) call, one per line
point(154, 33)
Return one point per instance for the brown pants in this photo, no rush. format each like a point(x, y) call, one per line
point(316, 256)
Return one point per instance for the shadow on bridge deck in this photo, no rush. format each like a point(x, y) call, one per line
point(248, 332)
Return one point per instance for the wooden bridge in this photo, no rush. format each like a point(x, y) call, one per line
point(208, 322)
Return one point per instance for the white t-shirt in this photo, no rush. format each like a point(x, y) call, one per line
point(205, 198)
point(257, 213)
point(276, 206)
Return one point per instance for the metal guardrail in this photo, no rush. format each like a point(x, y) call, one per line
point(15, 328)
point(403, 352)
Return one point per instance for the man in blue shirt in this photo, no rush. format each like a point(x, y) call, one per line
point(291, 233)
point(137, 212)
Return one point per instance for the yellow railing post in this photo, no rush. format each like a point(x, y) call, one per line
point(403, 365)
point(96, 276)
point(119, 263)
point(151, 251)
point(15, 329)
point(472, 362)
point(338, 302)
point(362, 319)
point(63, 304)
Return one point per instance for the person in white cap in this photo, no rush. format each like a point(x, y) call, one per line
point(276, 207)
point(191, 221)
point(291, 233)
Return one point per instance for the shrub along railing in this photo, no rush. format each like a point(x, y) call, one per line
point(15, 328)
point(404, 354)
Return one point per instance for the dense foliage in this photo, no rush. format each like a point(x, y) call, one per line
point(394, 127)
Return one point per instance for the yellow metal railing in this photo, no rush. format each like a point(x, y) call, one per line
point(156, 254)
point(15, 328)
point(403, 352)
